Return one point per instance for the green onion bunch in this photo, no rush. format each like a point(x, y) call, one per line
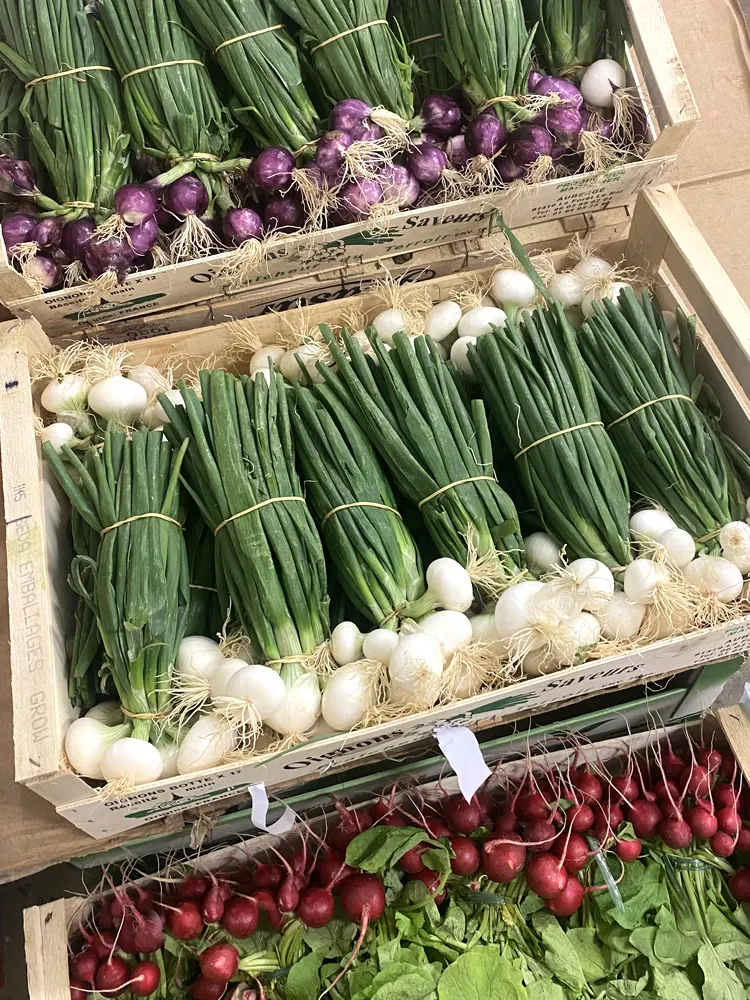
point(373, 552)
point(12, 128)
point(425, 44)
point(488, 50)
point(539, 392)
point(74, 121)
point(270, 562)
point(137, 584)
point(570, 34)
point(367, 63)
point(206, 617)
point(671, 454)
point(269, 97)
point(413, 408)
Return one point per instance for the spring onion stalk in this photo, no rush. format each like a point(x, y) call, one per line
point(537, 386)
point(138, 582)
point(269, 98)
point(373, 552)
point(205, 616)
point(413, 408)
point(12, 128)
point(367, 63)
point(74, 121)
point(270, 562)
point(424, 42)
point(570, 34)
point(488, 49)
point(670, 452)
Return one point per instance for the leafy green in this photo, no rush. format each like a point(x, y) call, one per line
point(562, 959)
point(481, 974)
point(664, 942)
point(595, 960)
point(383, 846)
point(642, 890)
point(336, 937)
point(720, 982)
point(672, 984)
point(303, 981)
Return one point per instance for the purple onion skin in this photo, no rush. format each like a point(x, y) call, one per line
point(399, 185)
point(143, 237)
point(570, 94)
point(135, 203)
point(558, 152)
point(565, 124)
point(17, 228)
point(358, 197)
point(284, 211)
point(240, 225)
point(456, 151)
point(272, 170)
point(76, 237)
point(528, 143)
point(329, 154)
point(16, 175)
point(427, 162)
point(145, 167)
point(534, 77)
point(604, 126)
point(348, 114)
point(366, 132)
point(486, 135)
point(187, 196)
point(45, 270)
point(509, 170)
point(167, 222)
point(48, 233)
point(441, 116)
point(113, 254)
point(320, 178)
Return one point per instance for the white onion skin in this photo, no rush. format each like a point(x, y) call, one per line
point(204, 746)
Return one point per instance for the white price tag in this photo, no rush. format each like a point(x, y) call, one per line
point(463, 753)
point(259, 813)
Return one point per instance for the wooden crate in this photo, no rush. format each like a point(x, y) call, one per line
point(654, 68)
point(48, 928)
point(662, 240)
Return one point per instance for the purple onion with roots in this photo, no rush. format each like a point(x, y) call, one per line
point(145, 167)
point(48, 233)
point(366, 133)
point(17, 228)
point(187, 196)
point(349, 114)
point(113, 254)
point(76, 237)
point(358, 197)
point(441, 116)
point(528, 143)
point(570, 95)
point(272, 170)
point(558, 152)
point(456, 151)
point(284, 211)
point(565, 124)
point(44, 269)
point(399, 185)
point(509, 170)
point(212, 224)
point(593, 121)
point(427, 162)
point(329, 153)
point(534, 77)
point(16, 175)
point(486, 135)
point(167, 222)
point(135, 203)
point(143, 237)
point(240, 225)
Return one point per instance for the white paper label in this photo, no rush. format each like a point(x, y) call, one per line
point(259, 813)
point(463, 753)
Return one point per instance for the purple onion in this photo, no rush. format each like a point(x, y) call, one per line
point(113, 254)
point(528, 143)
point(441, 116)
point(284, 211)
point(366, 133)
point(329, 154)
point(272, 170)
point(570, 95)
point(558, 152)
point(44, 269)
point(320, 178)
point(143, 237)
point(427, 162)
point(16, 175)
point(167, 222)
point(594, 122)
point(565, 124)
point(509, 170)
point(349, 114)
point(399, 185)
point(358, 197)
point(456, 151)
point(48, 233)
point(145, 167)
point(135, 203)
point(17, 228)
point(187, 196)
point(486, 135)
point(76, 237)
point(240, 225)
point(212, 223)
point(534, 77)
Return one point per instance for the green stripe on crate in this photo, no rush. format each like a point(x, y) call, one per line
point(113, 306)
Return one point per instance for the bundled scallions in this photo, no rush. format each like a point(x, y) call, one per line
point(425, 44)
point(206, 617)
point(570, 34)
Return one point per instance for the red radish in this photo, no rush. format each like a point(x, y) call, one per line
point(531, 806)
point(267, 903)
point(315, 908)
point(628, 850)
point(607, 814)
point(102, 944)
point(670, 809)
point(112, 975)
point(602, 834)
point(728, 765)
point(573, 850)
point(506, 823)
point(580, 817)
point(539, 835)
point(546, 876)
point(287, 897)
point(432, 882)
point(725, 796)
point(207, 989)
point(722, 844)
point(589, 786)
point(145, 979)
point(212, 905)
point(269, 876)
point(149, 935)
point(503, 859)
point(127, 932)
point(240, 917)
point(739, 885)
point(672, 765)
point(78, 990)
point(380, 809)
point(104, 920)
point(710, 759)
point(486, 804)
point(645, 817)
point(362, 898)
point(437, 829)
point(729, 820)
point(83, 966)
point(466, 861)
point(219, 962)
point(463, 816)
point(185, 921)
point(333, 869)
point(627, 786)
point(743, 839)
point(350, 824)
point(675, 833)
point(411, 862)
point(667, 789)
point(569, 900)
point(193, 887)
point(696, 781)
point(703, 822)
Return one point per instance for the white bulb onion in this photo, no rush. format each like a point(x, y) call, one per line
point(221, 676)
point(600, 82)
point(568, 288)
point(642, 580)
point(542, 553)
point(512, 288)
point(205, 745)
point(132, 760)
point(346, 643)
point(442, 320)
point(270, 355)
point(260, 690)
point(379, 644)
point(348, 696)
point(415, 670)
point(452, 629)
point(716, 576)
point(680, 546)
point(66, 394)
point(58, 434)
point(621, 618)
point(86, 740)
point(476, 322)
point(119, 399)
point(593, 267)
point(301, 708)
point(388, 323)
point(198, 656)
point(150, 378)
point(449, 585)
point(650, 523)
